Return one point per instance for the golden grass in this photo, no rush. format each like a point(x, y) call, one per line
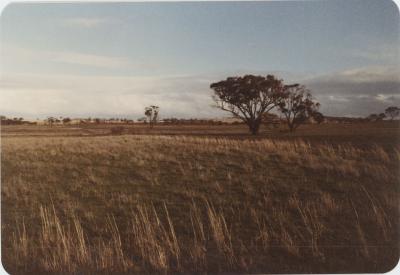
point(139, 204)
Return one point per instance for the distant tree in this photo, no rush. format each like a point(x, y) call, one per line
point(248, 97)
point(376, 117)
point(66, 120)
point(151, 113)
point(297, 105)
point(51, 120)
point(142, 119)
point(318, 117)
point(171, 120)
point(381, 116)
point(372, 117)
point(392, 112)
point(4, 120)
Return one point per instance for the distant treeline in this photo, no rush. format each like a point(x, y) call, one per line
point(269, 119)
point(15, 121)
point(194, 121)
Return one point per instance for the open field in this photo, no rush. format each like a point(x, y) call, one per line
point(200, 199)
point(386, 133)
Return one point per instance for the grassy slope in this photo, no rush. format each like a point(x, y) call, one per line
point(157, 203)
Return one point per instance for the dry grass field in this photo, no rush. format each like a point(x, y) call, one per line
point(200, 199)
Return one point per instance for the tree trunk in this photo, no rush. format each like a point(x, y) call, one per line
point(254, 126)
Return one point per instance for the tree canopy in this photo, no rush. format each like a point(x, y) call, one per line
point(151, 113)
point(297, 105)
point(392, 112)
point(248, 97)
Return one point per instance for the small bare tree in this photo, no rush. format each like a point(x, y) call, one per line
point(51, 120)
point(151, 113)
point(297, 105)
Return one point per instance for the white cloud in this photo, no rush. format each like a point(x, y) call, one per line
point(88, 59)
point(85, 22)
point(357, 92)
point(338, 98)
point(81, 96)
point(382, 52)
point(372, 74)
point(386, 97)
point(18, 56)
point(368, 74)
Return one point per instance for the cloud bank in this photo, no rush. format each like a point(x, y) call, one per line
point(82, 96)
point(356, 92)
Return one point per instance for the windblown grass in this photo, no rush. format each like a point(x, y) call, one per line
point(135, 204)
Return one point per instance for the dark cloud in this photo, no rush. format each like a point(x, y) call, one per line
point(357, 92)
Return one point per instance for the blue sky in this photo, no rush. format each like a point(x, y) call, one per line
point(113, 59)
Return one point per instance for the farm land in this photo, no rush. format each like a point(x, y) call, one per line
point(200, 198)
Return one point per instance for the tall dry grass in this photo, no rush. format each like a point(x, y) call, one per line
point(157, 204)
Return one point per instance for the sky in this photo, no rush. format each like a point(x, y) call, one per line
point(114, 59)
